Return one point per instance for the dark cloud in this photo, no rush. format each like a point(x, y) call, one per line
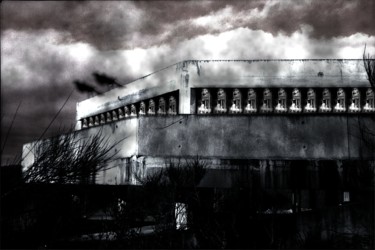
point(327, 18)
point(122, 25)
point(102, 24)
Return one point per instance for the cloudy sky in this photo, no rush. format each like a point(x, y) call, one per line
point(47, 45)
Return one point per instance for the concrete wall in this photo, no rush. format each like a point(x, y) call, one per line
point(277, 73)
point(258, 136)
point(268, 137)
point(125, 131)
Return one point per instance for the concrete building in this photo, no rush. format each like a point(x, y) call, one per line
point(269, 114)
point(294, 140)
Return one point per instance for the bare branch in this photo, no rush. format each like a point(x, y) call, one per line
point(369, 63)
point(68, 159)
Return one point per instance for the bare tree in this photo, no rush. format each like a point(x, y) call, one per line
point(369, 63)
point(68, 159)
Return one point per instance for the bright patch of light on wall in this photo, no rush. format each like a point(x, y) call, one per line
point(296, 67)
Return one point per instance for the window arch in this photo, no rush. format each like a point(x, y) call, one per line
point(84, 123)
point(296, 106)
point(251, 106)
point(142, 108)
point(151, 107)
point(109, 117)
point(133, 110)
point(96, 120)
point(221, 106)
point(281, 106)
point(340, 105)
point(267, 101)
point(172, 109)
point(102, 118)
point(236, 102)
point(126, 111)
point(91, 122)
point(311, 101)
point(355, 106)
point(120, 113)
point(370, 101)
point(326, 101)
point(114, 115)
point(162, 106)
point(205, 106)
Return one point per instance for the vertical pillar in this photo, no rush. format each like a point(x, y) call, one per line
point(184, 99)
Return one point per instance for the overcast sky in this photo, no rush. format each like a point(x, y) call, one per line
point(47, 45)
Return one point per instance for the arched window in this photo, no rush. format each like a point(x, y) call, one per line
point(162, 106)
point(267, 101)
point(151, 107)
point(84, 123)
point(355, 106)
point(221, 106)
point(109, 117)
point(96, 120)
point(251, 106)
point(133, 110)
point(120, 113)
point(205, 106)
point(281, 101)
point(142, 108)
point(370, 101)
point(172, 109)
point(296, 106)
point(91, 122)
point(102, 118)
point(114, 115)
point(126, 111)
point(340, 105)
point(326, 101)
point(311, 101)
point(236, 103)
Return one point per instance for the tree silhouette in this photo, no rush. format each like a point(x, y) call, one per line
point(52, 208)
point(69, 159)
point(369, 63)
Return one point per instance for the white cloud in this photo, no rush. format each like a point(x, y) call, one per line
point(31, 60)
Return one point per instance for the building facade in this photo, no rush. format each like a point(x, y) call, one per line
point(268, 114)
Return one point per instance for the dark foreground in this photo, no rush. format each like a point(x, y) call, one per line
point(162, 214)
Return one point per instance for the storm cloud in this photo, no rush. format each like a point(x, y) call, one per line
point(45, 46)
point(125, 24)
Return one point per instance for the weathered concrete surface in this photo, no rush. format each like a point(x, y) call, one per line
point(258, 136)
point(228, 73)
point(125, 130)
point(220, 137)
point(277, 73)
